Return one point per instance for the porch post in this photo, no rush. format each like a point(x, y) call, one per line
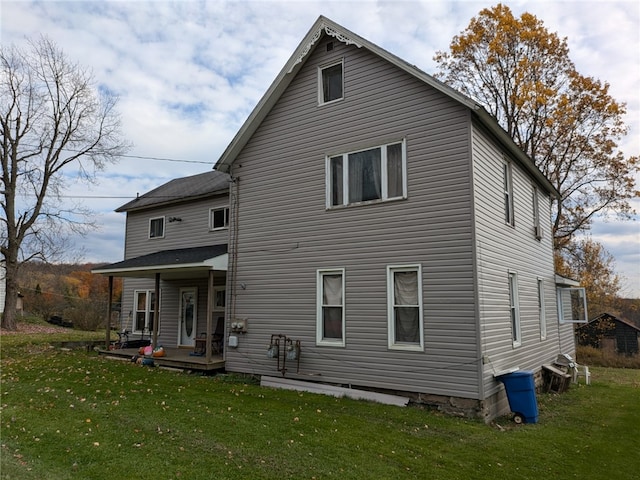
point(156, 311)
point(210, 301)
point(107, 339)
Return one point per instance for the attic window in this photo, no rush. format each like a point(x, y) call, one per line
point(329, 46)
point(330, 83)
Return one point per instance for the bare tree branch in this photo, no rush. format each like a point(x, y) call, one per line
point(52, 118)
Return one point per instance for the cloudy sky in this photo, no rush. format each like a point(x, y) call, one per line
point(188, 74)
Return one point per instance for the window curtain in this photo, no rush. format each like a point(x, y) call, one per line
point(332, 306)
point(365, 175)
point(406, 309)
point(394, 171)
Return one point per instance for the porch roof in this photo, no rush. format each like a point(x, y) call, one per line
point(179, 263)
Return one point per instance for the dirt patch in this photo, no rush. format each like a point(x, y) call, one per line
point(34, 328)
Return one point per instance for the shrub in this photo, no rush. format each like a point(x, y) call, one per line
point(603, 358)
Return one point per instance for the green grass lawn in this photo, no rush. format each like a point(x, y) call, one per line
point(73, 414)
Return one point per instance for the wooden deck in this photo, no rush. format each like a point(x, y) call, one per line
point(175, 357)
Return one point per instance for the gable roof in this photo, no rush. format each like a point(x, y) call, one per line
point(181, 189)
point(323, 27)
point(609, 316)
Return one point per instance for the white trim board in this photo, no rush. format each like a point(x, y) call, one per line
point(322, 389)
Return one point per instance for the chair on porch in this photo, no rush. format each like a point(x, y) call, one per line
point(217, 339)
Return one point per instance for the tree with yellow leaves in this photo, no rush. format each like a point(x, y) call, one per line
point(567, 123)
point(595, 267)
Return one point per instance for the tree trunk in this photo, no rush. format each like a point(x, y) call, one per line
point(11, 299)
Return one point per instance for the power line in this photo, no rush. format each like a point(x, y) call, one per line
point(125, 197)
point(142, 157)
point(166, 159)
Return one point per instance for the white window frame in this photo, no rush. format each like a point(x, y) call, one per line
point(567, 297)
point(393, 345)
point(542, 310)
point(514, 310)
point(151, 220)
point(537, 227)
point(225, 209)
point(147, 311)
point(507, 180)
point(384, 180)
point(321, 69)
point(320, 339)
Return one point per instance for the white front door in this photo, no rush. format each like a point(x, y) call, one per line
point(188, 316)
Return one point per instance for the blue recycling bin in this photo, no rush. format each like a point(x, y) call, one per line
point(521, 393)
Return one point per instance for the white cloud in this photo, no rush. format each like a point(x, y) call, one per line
point(188, 73)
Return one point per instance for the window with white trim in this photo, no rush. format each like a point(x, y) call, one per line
point(514, 309)
point(330, 83)
point(374, 174)
point(144, 314)
point(404, 304)
point(572, 305)
point(156, 227)
point(537, 227)
point(330, 328)
point(541, 310)
point(507, 174)
point(218, 218)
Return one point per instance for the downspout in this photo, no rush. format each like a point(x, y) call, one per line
point(234, 192)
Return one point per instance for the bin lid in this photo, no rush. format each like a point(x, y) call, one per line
point(506, 372)
point(519, 373)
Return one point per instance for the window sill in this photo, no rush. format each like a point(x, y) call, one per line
point(337, 100)
point(367, 202)
point(328, 343)
point(407, 348)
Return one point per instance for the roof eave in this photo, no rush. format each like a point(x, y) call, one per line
point(132, 208)
point(219, 263)
point(503, 137)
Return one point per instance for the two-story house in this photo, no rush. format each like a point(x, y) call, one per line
point(382, 230)
point(388, 226)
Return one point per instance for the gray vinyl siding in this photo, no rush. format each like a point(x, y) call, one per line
point(191, 231)
point(502, 249)
point(285, 234)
